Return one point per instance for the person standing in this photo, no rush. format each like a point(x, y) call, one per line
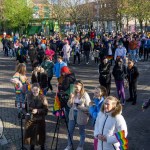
point(48, 66)
point(49, 52)
point(105, 75)
point(32, 54)
point(78, 103)
point(133, 45)
point(100, 94)
point(40, 54)
point(132, 76)
point(119, 73)
point(5, 45)
point(120, 53)
point(58, 66)
point(66, 52)
point(87, 48)
point(35, 126)
point(67, 85)
point(146, 49)
point(20, 79)
point(109, 122)
point(76, 52)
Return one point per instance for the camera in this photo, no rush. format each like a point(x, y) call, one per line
point(63, 98)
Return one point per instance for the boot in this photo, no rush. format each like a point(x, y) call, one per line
point(32, 147)
point(42, 147)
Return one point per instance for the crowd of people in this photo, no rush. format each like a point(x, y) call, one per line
point(53, 56)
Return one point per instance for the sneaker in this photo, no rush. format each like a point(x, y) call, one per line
point(68, 147)
point(79, 148)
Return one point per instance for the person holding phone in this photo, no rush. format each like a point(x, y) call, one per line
point(78, 103)
point(35, 125)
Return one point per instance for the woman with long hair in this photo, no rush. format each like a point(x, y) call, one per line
point(48, 66)
point(19, 80)
point(109, 122)
point(100, 94)
point(78, 103)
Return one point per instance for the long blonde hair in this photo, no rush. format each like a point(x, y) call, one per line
point(79, 82)
point(118, 107)
point(102, 91)
point(21, 68)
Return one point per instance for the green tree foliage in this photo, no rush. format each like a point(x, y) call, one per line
point(16, 13)
point(138, 9)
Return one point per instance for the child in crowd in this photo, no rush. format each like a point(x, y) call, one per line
point(100, 94)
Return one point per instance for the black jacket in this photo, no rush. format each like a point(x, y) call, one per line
point(132, 74)
point(104, 73)
point(40, 78)
point(119, 72)
point(87, 46)
point(68, 79)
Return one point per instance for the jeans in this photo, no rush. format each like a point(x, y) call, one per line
point(71, 127)
point(66, 60)
point(120, 90)
point(20, 101)
point(12, 52)
point(133, 54)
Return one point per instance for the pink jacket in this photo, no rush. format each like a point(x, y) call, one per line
point(50, 53)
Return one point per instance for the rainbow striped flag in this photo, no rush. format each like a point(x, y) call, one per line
point(122, 140)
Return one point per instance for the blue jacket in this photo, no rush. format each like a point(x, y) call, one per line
point(57, 68)
point(95, 109)
point(147, 43)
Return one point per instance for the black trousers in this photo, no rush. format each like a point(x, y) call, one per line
point(107, 86)
point(49, 83)
point(75, 56)
point(133, 91)
point(87, 56)
point(141, 52)
point(146, 53)
point(96, 60)
point(6, 51)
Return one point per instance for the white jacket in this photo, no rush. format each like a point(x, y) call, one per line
point(66, 50)
point(108, 125)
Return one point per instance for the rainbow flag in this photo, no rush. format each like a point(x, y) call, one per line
point(57, 107)
point(122, 140)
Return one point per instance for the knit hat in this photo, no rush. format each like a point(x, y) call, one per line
point(65, 69)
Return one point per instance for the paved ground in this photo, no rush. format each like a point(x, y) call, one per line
point(138, 121)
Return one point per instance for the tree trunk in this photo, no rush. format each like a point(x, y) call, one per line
point(127, 24)
point(135, 25)
point(116, 25)
point(146, 26)
point(141, 25)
